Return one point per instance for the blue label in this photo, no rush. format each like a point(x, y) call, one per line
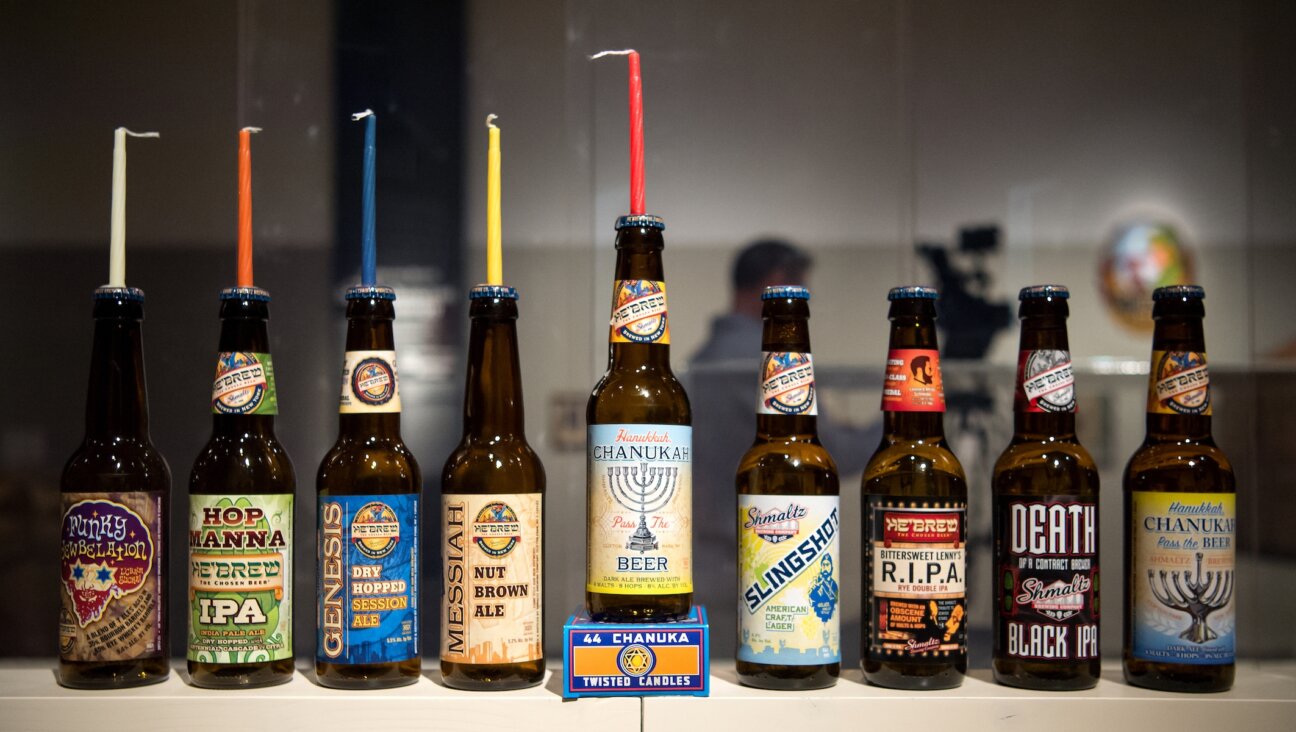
point(368, 579)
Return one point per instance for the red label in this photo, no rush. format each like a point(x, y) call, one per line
point(942, 528)
point(913, 381)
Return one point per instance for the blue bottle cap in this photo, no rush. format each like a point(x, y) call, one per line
point(245, 293)
point(1179, 292)
point(129, 294)
point(642, 220)
point(492, 292)
point(370, 292)
point(1035, 292)
point(780, 292)
point(912, 292)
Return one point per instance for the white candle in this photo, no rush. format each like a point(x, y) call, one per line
point(117, 237)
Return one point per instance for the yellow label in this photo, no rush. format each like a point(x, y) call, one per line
point(492, 563)
point(639, 312)
point(1179, 383)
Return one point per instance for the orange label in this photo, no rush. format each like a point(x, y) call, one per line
point(639, 312)
point(1180, 383)
point(913, 381)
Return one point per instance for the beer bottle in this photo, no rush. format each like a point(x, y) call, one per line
point(368, 485)
point(915, 508)
point(788, 517)
point(1045, 517)
point(639, 512)
point(241, 515)
point(492, 506)
point(1180, 517)
point(115, 495)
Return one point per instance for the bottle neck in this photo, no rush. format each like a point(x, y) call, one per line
point(639, 260)
point(1043, 329)
point(786, 329)
point(243, 328)
point(493, 396)
point(913, 327)
point(369, 328)
point(1182, 332)
point(116, 400)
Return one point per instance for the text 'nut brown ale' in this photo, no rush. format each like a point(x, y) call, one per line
point(367, 615)
point(1045, 487)
point(492, 508)
point(1180, 517)
point(241, 514)
point(115, 494)
point(915, 510)
point(789, 614)
point(639, 511)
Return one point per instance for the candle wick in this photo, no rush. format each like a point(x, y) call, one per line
point(140, 134)
point(251, 129)
point(490, 121)
point(361, 115)
point(601, 54)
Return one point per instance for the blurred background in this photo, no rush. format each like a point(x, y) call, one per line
point(977, 147)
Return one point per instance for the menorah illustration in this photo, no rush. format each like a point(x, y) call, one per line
point(646, 490)
point(1197, 597)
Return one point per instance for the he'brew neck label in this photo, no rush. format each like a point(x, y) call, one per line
point(244, 384)
point(369, 383)
point(639, 312)
point(1179, 383)
point(1046, 382)
point(1047, 548)
point(787, 384)
point(640, 510)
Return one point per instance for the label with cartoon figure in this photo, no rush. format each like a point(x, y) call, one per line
point(244, 384)
point(639, 312)
point(916, 591)
point(787, 384)
point(367, 611)
point(913, 381)
point(240, 578)
point(492, 559)
point(1179, 384)
point(369, 383)
point(1045, 381)
point(788, 558)
point(111, 578)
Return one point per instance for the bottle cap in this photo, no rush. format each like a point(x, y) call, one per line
point(779, 292)
point(642, 220)
point(129, 294)
point(492, 292)
point(370, 292)
point(245, 293)
point(1036, 292)
point(1177, 292)
point(912, 292)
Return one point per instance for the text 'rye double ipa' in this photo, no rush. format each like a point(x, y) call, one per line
point(1180, 517)
point(241, 498)
point(1045, 517)
point(492, 498)
point(789, 619)
point(368, 488)
point(915, 511)
point(639, 508)
point(116, 490)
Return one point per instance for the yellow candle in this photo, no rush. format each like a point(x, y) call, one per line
point(117, 232)
point(494, 255)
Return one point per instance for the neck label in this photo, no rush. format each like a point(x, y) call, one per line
point(1046, 382)
point(913, 381)
point(369, 383)
point(1179, 383)
point(787, 384)
point(244, 384)
point(639, 312)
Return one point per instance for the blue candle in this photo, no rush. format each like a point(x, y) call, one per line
point(368, 251)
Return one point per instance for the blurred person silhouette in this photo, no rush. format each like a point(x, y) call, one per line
point(723, 384)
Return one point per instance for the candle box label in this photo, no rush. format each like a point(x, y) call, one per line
point(1179, 383)
point(367, 561)
point(913, 381)
point(369, 383)
point(111, 576)
point(787, 384)
point(636, 659)
point(240, 578)
point(492, 562)
point(639, 312)
point(1045, 381)
point(244, 384)
point(788, 578)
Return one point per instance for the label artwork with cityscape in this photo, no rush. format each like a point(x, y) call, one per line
point(787, 384)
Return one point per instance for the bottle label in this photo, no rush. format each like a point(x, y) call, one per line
point(640, 509)
point(492, 560)
point(913, 381)
point(367, 562)
point(918, 598)
point(240, 578)
point(1047, 551)
point(788, 580)
point(639, 312)
point(1046, 382)
point(1180, 383)
point(244, 384)
point(787, 384)
point(111, 599)
point(1182, 551)
point(369, 383)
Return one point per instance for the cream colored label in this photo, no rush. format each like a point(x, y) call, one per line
point(492, 563)
point(369, 383)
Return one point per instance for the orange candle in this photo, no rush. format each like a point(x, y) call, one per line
point(245, 206)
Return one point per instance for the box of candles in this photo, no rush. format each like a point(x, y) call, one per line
point(636, 659)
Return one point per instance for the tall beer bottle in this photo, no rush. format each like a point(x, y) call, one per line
point(639, 508)
point(116, 490)
point(915, 509)
point(241, 515)
point(492, 499)
point(1180, 517)
point(1045, 517)
point(368, 485)
point(788, 517)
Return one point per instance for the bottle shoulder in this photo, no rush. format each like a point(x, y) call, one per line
point(1045, 467)
point(1179, 466)
point(639, 396)
point(914, 467)
point(242, 463)
point(787, 467)
point(495, 466)
point(371, 465)
point(117, 465)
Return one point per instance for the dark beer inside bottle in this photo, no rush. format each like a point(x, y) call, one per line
point(117, 455)
point(787, 459)
point(369, 458)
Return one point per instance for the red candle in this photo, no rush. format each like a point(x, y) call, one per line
point(245, 206)
point(636, 130)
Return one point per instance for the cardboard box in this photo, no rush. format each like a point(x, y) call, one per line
point(636, 659)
